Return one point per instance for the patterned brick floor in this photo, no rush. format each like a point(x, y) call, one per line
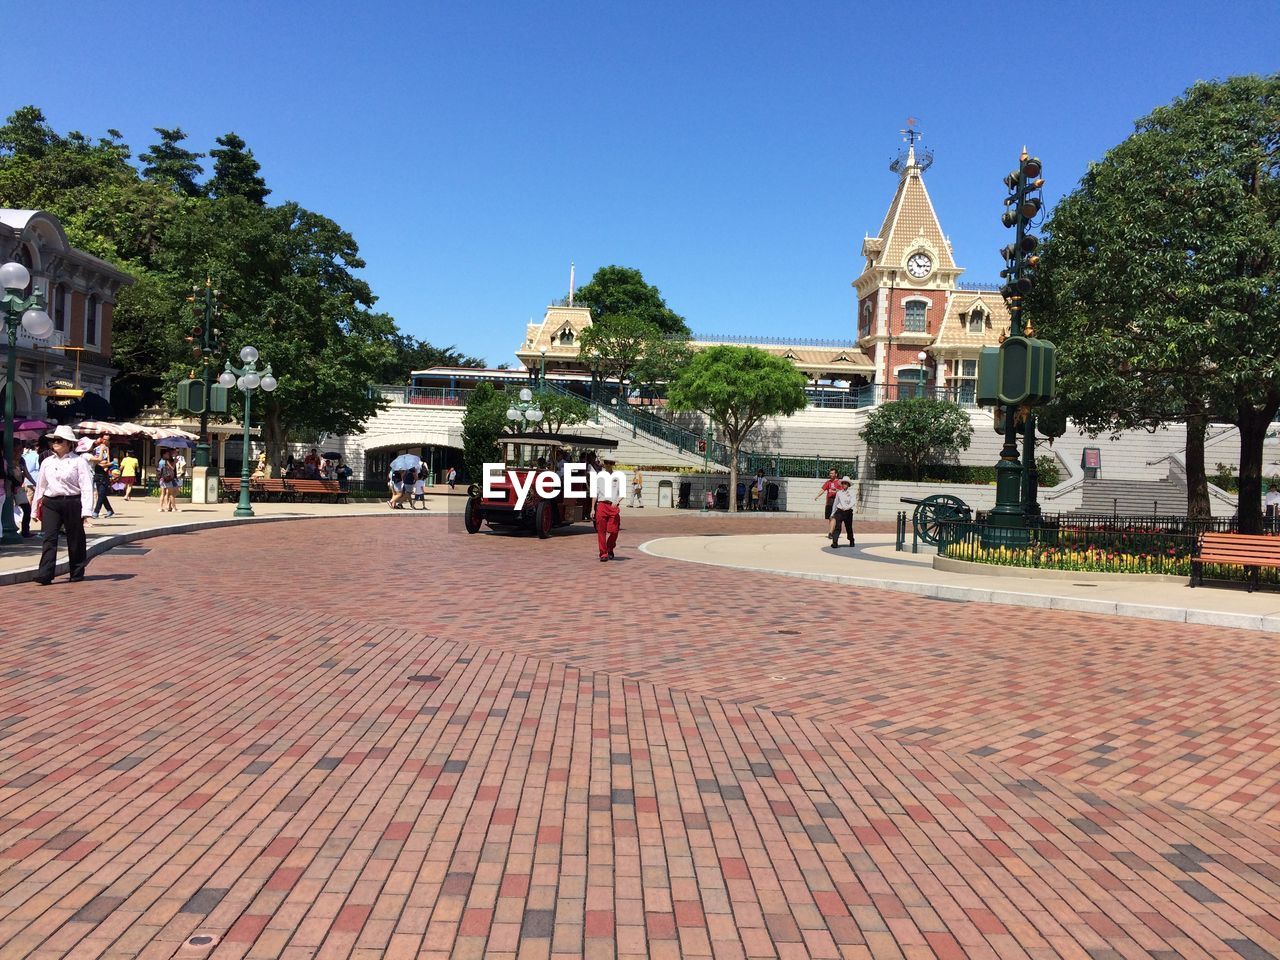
point(384, 738)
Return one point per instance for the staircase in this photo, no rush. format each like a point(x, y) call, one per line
point(1130, 498)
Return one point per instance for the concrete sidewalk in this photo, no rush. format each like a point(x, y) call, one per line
point(876, 564)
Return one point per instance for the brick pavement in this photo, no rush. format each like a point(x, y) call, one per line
point(459, 753)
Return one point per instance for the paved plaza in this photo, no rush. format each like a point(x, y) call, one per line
point(375, 736)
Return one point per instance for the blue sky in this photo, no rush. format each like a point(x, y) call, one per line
point(735, 153)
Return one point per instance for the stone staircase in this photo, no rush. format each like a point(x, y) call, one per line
point(1128, 498)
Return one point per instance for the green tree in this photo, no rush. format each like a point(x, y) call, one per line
point(615, 345)
point(661, 362)
point(1159, 279)
point(622, 291)
point(917, 431)
point(736, 388)
point(560, 410)
point(411, 354)
point(170, 163)
point(27, 134)
point(482, 423)
point(236, 172)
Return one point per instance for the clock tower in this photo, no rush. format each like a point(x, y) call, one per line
point(906, 286)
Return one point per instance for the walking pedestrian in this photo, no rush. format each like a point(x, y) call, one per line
point(167, 475)
point(100, 460)
point(129, 468)
point(452, 477)
point(842, 512)
point(831, 487)
point(637, 489)
point(608, 486)
point(64, 502)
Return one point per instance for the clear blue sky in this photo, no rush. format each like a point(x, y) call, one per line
point(735, 153)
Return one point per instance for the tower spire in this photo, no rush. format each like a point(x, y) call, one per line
point(571, 283)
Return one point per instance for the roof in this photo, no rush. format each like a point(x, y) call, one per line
point(565, 439)
point(953, 332)
point(911, 219)
point(832, 359)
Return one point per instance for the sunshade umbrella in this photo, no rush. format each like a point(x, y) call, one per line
point(332, 455)
point(101, 426)
point(176, 443)
point(406, 461)
point(165, 433)
point(133, 429)
point(24, 426)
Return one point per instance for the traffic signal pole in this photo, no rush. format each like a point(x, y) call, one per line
point(1015, 481)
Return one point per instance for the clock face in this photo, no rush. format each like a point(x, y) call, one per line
point(919, 265)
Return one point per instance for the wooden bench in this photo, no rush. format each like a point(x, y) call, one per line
point(317, 488)
point(1250, 550)
point(230, 487)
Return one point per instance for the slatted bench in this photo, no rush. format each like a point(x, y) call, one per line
point(1249, 550)
point(317, 488)
point(230, 487)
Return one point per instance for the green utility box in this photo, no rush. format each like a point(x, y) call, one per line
point(1026, 371)
point(191, 397)
point(988, 376)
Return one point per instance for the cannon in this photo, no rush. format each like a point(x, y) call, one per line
point(932, 512)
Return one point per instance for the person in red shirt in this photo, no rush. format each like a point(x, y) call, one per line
point(830, 488)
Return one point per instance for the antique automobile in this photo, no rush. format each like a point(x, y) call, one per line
point(524, 454)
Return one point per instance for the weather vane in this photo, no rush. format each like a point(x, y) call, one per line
point(922, 160)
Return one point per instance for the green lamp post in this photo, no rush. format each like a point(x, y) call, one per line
point(248, 379)
point(29, 313)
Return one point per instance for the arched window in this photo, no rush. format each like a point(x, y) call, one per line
point(915, 316)
point(977, 320)
point(566, 337)
point(864, 324)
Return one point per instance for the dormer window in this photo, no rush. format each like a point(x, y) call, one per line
point(566, 337)
point(977, 320)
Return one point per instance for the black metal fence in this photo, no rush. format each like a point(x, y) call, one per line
point(1093, 549)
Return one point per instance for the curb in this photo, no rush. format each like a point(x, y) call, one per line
point(946, 591)
point(101, 545)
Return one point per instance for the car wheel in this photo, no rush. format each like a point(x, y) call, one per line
point(544, 519)
point(471, 517)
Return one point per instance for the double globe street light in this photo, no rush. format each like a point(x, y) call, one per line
point(248, 379)
point(29, 312)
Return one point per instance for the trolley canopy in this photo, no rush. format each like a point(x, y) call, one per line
point(561, 439)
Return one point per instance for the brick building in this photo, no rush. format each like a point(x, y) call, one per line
point(80, 295)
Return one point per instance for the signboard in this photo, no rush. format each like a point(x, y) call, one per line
point(1091, 461)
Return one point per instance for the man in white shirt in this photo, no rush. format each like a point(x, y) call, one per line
point(842, 512)
point(63, 503)
point(608, 486)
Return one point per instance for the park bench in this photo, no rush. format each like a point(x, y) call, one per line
point(317, 488)
point(258, 489)
point(230, 487)
point(1249, 550)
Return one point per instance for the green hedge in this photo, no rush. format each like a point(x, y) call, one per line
point(1046, 465)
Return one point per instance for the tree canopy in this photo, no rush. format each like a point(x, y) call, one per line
point(736, 388)
point(482, 423)
point(622, 291)
point(289, 277)
point(614, 345)
point(917, 431)
point(1159, 278)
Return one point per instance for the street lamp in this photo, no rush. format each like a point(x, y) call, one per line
point(29, 311)
point(542, 372)
point(922, 357)
point(247, 379)
point(524, 410)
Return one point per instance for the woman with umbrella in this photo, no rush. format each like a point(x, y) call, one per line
point(403, 470)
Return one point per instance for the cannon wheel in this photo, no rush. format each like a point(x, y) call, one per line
point(932, 511)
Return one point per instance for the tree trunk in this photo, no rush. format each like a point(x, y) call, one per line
point(274, 435)
point(1197, 483)
point(1253, 426)
point(733, 473)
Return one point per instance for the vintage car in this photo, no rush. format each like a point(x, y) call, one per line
point(522, 453)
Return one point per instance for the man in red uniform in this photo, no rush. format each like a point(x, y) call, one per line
point(608, 486)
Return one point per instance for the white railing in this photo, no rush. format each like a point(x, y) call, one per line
point(55, 339)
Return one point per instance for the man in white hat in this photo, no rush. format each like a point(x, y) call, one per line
point(842, 512)
point(63, 502)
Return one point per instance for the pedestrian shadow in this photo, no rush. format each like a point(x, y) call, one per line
point(109, 576)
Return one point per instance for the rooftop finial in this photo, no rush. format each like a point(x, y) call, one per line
point(907, 159)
